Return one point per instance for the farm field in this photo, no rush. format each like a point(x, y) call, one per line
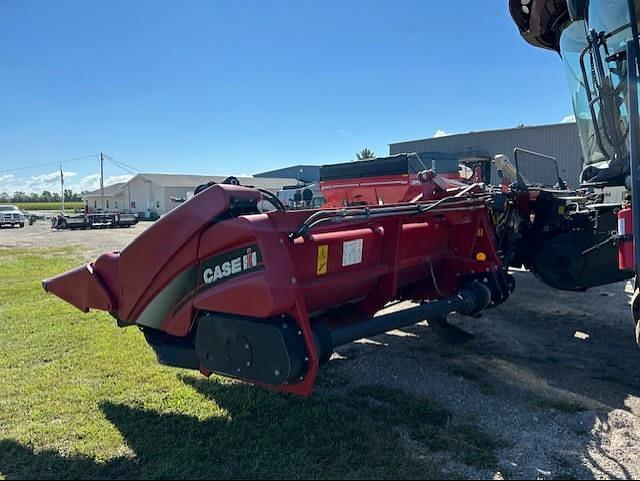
point(49, 206)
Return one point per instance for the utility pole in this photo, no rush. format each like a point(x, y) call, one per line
point(102, 178)
point(62, 186)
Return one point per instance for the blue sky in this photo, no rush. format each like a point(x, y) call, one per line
point(238, 87)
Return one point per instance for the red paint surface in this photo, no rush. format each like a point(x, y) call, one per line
point(626, 256)
point(416, 257)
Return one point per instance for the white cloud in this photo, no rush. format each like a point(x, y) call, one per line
point(6, 183)
point(51, 181)
point(38, 183)
point(441, 133)
point(116, 179)
point(11, 186)
point(92, 182)
point(569, 119)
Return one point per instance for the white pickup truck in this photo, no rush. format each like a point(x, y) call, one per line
point(10, 215)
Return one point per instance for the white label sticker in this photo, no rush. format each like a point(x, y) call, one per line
point(622, 227)
point(352, 252)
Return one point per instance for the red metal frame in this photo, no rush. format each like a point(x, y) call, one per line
point(388, 189)
point(410, 256)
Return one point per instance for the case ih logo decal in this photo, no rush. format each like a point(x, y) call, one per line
point(229, 265)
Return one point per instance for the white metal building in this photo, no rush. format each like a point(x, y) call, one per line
point(152, 194)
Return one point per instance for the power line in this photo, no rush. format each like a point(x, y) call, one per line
point(126, 167)
point(48, 164)
point(129, 171)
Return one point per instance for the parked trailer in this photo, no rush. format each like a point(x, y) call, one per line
point(93, 221)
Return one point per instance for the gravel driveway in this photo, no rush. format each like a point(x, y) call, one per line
point(92, 242)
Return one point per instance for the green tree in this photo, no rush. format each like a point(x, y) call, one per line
point(46, 196)
point(19, 197)
point(365, 154)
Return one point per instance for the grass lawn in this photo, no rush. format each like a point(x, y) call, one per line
point(80, 398)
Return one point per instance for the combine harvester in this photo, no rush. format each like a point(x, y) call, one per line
point(221, 286)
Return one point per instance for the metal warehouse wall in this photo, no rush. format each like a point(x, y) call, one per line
point(559, 140)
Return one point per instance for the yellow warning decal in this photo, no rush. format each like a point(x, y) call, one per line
point(323, 260)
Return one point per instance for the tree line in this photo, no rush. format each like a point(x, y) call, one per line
point(46, 196)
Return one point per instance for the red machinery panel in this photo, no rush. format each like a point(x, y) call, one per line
point(324, 272)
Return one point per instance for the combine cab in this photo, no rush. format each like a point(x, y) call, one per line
point(599, 43)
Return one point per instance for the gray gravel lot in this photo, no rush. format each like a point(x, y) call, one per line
point(568, 407)
point(92, 242)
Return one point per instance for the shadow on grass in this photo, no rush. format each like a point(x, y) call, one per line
point(362, 434)
point(21, 462)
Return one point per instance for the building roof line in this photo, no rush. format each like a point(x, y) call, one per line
point(110, 190)
point(188, 180)
point(475, 132)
